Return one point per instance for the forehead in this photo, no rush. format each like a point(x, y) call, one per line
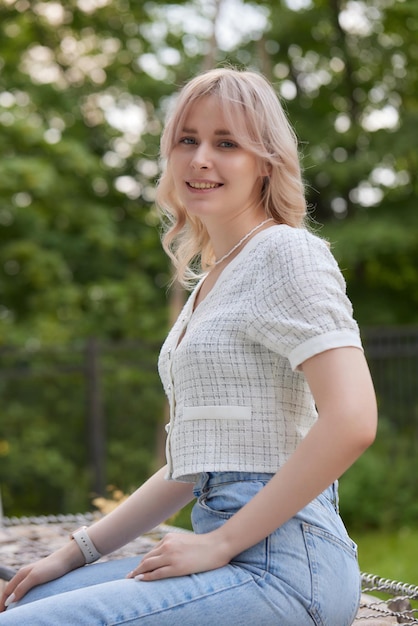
point(210, 112)
point(207, 109)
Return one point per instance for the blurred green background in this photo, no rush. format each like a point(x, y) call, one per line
point(84, 302)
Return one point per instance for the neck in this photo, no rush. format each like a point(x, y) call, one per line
point(240, 241)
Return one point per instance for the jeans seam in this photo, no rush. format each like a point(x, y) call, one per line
point(310, 530)
point(347, 545)
point(179, 604)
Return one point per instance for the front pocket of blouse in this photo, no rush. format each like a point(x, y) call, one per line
point(223, 412)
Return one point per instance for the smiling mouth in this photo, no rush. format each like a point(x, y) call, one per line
point(196, 185)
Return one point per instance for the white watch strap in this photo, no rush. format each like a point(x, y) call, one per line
point(86, 545)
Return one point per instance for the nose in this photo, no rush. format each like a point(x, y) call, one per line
point(202, 158)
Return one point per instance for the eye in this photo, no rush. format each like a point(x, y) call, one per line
point(187, 141)
point(228, 144)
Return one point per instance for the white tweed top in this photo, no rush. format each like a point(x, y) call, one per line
point(238, 401)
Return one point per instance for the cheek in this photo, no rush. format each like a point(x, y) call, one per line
point(176, 166)
point(247, 174)
point(248, 168)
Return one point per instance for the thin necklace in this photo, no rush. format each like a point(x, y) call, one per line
point(241, 241)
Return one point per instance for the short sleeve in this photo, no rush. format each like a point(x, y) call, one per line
point(300, 307)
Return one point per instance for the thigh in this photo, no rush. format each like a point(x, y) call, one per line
point(86, 576)
point(229, 596)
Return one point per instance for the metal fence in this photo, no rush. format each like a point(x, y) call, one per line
point(90, 393)
point(392, 354)
point(98, 377)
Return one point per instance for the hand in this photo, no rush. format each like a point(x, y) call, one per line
point(181, 554)
point(53, 566)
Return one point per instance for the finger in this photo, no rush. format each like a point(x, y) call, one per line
point(9, 593)
point(28, 582)
point(10, 599)
point(17, 578)
point(157, 574)
point(151, 564)
point(146, 563)
point(140, 567)
point(6, 600)
point(3, 599)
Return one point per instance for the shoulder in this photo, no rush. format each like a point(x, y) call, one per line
point(290, 239)
point(290, 250)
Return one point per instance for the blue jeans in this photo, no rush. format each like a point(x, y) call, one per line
point(304, 574)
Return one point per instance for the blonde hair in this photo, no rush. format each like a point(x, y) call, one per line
point(254, 114)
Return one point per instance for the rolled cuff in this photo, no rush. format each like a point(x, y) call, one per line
point(321, 343)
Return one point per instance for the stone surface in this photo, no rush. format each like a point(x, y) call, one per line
point(370, 613)
point(27, 542)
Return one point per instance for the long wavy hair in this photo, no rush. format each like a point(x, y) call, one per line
point(253, 113)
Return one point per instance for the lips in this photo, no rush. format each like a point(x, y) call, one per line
point(203, 185)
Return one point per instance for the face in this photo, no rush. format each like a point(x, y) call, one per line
point(214, 177)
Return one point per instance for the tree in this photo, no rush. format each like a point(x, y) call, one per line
point(83, 91)
point(79, 240)
point(84, 88)
point(79, 243)
point(347, 73)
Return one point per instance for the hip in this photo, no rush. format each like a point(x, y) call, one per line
point(311, 556)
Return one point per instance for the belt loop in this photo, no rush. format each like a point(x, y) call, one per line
point(205, 481)
point(201, 484)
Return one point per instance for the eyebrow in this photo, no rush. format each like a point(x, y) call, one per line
point(221, 132)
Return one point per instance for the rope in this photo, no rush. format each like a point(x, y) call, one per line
point(402, 593)
point(41, 520)
point(370, 582)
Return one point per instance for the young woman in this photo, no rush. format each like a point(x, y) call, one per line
point(270, 398)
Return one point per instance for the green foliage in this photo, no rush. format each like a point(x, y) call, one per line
point(84, 89)
point(46, 461)
point(389, 554)
point(380, 490)
point(80, 116)
point(379, 259)
point(183, 518)
point(79, 243)
point(41, 468)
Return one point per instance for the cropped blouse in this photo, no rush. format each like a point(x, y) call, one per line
point(238, 400)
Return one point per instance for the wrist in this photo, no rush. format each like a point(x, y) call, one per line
point(222, 546)
point(85, 545)
point(71, 555)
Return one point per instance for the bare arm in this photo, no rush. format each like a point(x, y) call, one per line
point(155, 501)
point(150, 505)
point(341, 385)
point(342, 388)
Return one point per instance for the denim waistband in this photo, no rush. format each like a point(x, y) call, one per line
point(208, 480)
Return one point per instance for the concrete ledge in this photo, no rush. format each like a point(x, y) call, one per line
point(371, 613)
point(27, 539)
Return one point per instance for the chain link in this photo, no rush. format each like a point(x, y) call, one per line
point(369, 582)
point(400, 591)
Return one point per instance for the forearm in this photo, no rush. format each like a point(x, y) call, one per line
point(155, 501)
point(343, 392)
point(321, 458)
